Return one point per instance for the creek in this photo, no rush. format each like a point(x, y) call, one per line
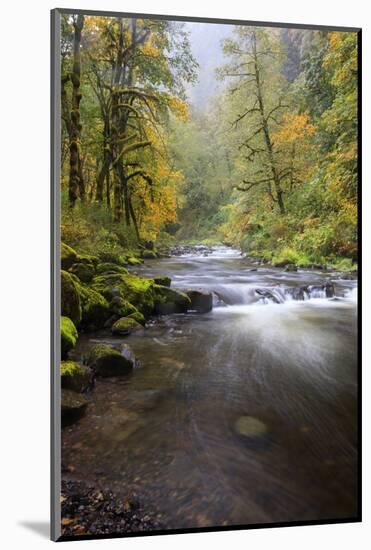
point(243, 415)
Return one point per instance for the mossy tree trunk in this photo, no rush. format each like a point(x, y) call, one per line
point(76, 181)
point(265, 127)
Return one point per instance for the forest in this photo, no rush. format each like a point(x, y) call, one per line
point(208, 184)
point(270, 165)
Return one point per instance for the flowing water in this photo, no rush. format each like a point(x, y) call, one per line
point(172, 431)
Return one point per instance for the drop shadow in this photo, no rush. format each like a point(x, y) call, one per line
point(41, 528)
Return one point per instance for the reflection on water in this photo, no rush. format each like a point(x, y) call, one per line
point(168, 432)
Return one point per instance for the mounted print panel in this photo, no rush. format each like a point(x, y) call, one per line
point(205, 216)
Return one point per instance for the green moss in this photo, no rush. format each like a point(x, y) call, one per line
point(88, 259)
point(134, 261)
point(139, 291)
point(139, 317)
point(68, 256)
point(74, 376)
point(122, 307)
point(125, 326)
point(109, 361)
point(149, 254)
point(168, 300)
point(163, 281)
point(94, 307)
point(112, 257)
point(84, 271)
point(70, 299)
point(69, 336)
point(108, 267)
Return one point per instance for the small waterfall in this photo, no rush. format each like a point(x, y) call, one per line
point(243, 294)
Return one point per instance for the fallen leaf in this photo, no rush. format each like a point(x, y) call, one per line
point(66, 521)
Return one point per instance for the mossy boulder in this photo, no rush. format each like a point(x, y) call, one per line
point(73, 406)
point(70, 298)
point(69, 336)
point(75, 377)
point(138, 316)
point(163, 281)
point(88, 259)
point(94, 307)
point(109, 361)
point(84, 271)
point(201, 300)
point(113, 257)
point(125, 326)
point(121, 307)
point(149, 254)
point(131, 260)
point(138, 291)
point(109, 267)
point(69, 256)
point(169, 301)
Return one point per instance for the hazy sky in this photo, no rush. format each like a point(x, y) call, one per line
point(206, 39)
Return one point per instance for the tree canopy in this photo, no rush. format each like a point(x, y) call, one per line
point(270, 165)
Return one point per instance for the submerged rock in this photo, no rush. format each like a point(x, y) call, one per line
point(109, 361)
point(283, 263)
point(274, 295)
point(251, 427)
point(296, 293)
point(201, 300)
point(321, 291)
point(125, 326)
point(69, 336)
point(73, 406)
point(75, 377)
point(169, 301)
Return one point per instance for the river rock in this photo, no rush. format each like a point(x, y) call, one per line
point(274, 295)
point(201, 300)
point(84, 271)
point(109, 361)
point(69, 336)
point(318, 291)
point(170, 301)
point(73, 406)
point(68, 256)
point(75, 377)
point(70, 298)
point(125, 326)
point(149, 254)
point(94, 307)
point(251, 427)
point(163, 281)
point(296, 293)
point(283, 263)
point(109, 267)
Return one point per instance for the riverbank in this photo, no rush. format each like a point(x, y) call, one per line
point(88, 510)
